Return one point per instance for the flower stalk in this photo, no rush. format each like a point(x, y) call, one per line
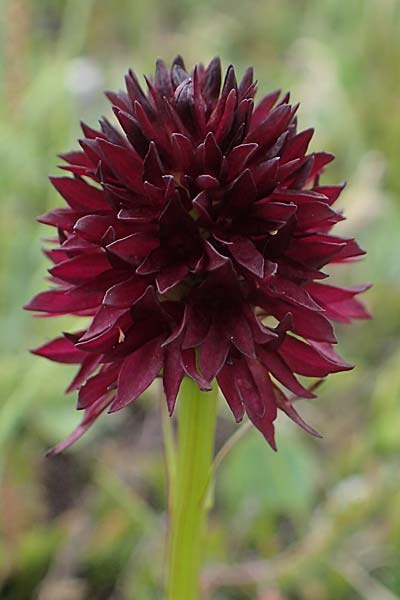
point(188, 508)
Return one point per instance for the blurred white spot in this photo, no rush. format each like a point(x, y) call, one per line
point(350, 491)
point(84, 77)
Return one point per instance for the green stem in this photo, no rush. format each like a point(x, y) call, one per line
point(196, 432)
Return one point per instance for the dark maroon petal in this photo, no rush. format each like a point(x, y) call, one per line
point(340, 303)
point(212, 81)
point(207, 182)
point(89, 365)
point(310, 214)
point(272, 126)
point(263, 422)
point(331, 192)
point(76, 158)
point(126, 293)
point(247, 388)
point(135, 247)
point(81, 268)
point(265, 175)
point(226, 382)
point(229, 84)
point(213, 352)
point(212, 155)
point(347, 310)
point(124, 163)
point(246, 81)
point(242, 194)
point(239, 333)
point(198, 324)
point(188, 362)
point(163, 79)
point(183, 148)
point(153, 169)
point(97, 386)
point(227, 118)
point(265, 426)
point(306, 360)
point(105, 319)
point(92, 227)
point(59, 302)
point(215, 259)
point(260, 333)
point(64, 218)
point(279, 369)
point(138, 371)
point(247, 255)
point(171, 276)
point(315, 251)
point(275, 212)
point(238, 158)
point(135, 92)
point(297, 145)
point(79, 195)
point(290, 292)
point(349, 248)
point(265, 388)
point(172, 375)
point(264, 107)
point(311, 325)
point(60, 350)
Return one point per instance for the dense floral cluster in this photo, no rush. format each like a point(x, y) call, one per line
point(194, 238)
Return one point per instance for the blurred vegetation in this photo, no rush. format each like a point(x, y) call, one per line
point(319, 520)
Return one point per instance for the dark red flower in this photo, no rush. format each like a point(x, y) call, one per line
point(187, 228)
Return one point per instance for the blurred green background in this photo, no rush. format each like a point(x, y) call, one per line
point(321, 519)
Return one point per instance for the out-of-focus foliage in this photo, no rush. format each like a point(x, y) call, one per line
point(321, 519)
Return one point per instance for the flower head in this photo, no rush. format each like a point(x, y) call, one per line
point(193, 241)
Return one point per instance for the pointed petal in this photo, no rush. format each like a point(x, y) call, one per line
point(247, 255)
point(60, 350)
point(226, 382)
point(172, 375)
point(138, 371)
point(213, 352)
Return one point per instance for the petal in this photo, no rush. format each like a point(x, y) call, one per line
point(138, 371)
point(172, 375)
point(247, 388)
point(188, 362)
point(264, 107)
point(226, 382)
point(81, 268)
point(279, 369)
point(213, 352)
point(80, 195)
point(58, 301)
point(97, 386)
point(238, 158)
point(126, 293)
point(60, 350)
point(247, 255)
point(89, 364)
point(171, 276)
point(242, 194)
point(307, 360)
point(297, 145)
point(240, 335)
point(135, 247)
point(125, 163)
